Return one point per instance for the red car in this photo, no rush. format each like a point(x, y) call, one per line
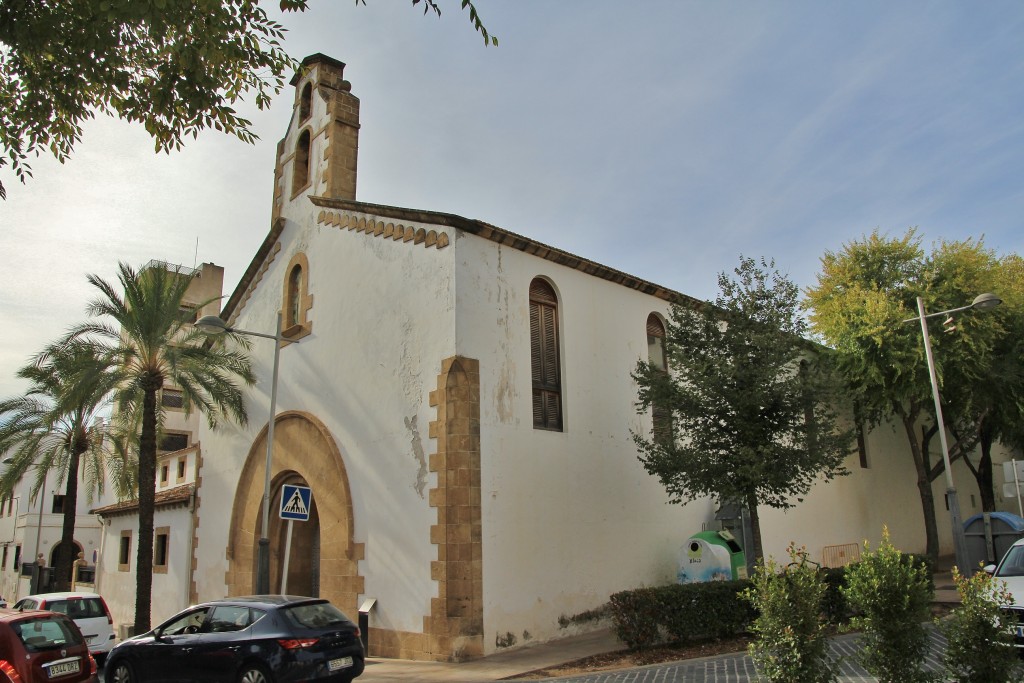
point(43, 646)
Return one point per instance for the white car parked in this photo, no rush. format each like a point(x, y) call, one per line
point(88, 611)
point(1011, 570)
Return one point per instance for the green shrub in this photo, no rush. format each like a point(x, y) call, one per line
point(834, 605)
point(791, 644)
point(645, 617)
point(980, 639)
point(891, 595)
point(634, 617)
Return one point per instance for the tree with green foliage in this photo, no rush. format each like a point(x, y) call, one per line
point(57, 426)
point(153, 342)
point(891, 595)
point(864, 306)
point(175, 66)
point(751, 406)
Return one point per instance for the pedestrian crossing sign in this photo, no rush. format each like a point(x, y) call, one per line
point(295, 502)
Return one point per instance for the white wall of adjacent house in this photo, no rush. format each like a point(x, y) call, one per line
point(24, 533)
point(382, 321)
point(116, 570)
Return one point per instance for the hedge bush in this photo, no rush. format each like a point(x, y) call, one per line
point(646, 617)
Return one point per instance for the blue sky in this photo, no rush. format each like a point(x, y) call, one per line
point(662, 138)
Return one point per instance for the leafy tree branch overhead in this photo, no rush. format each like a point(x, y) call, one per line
point(176, 67)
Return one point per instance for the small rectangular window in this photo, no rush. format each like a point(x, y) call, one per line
point(124, 552)
point(163, 474)
point(3, 565)
point(17, 558)
point(174, 442)
point(181, 469)
point(58, 505)
point(161, 541)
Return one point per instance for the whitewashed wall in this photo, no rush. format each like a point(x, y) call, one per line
point(383, 320)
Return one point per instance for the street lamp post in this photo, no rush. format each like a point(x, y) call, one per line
point(981, 302)
point(212, 324)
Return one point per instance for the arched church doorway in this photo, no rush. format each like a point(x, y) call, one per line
point(301, 554)
point(325, 557)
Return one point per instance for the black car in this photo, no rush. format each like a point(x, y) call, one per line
point(258, 639)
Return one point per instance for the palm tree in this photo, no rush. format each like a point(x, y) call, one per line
point(57, 425)
point(155, 345)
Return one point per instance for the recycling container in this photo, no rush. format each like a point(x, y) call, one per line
point(711, 556)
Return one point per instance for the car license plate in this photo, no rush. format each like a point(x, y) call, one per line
point(340, 663)
point(63, 668)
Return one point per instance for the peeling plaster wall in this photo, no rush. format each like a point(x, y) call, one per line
point(383, 318)
point(568, 517)
point(571, 517)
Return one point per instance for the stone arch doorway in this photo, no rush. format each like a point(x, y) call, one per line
point(304, 450)
point(76, 548)
point(304, 558)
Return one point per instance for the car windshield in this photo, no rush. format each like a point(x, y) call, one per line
point(316, 615)
point(46, 633)
point(1013, 563)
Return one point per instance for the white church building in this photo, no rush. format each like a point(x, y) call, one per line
point(459, 399)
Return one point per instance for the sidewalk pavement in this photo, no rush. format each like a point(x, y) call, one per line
point(734, 668)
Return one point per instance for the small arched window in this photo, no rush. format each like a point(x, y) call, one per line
point(294, 296)
point(661, 414)
point(545, 364)
point(296, 301)
point(300, 173)
point(306, 102)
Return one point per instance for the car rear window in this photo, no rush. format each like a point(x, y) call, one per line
point(78, 608)
point(46, 633)
point(315, 615)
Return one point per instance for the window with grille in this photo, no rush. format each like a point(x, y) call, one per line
point(545, 363)
point(661, 414)
point(172, 398)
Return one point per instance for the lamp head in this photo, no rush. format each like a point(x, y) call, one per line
point(986, 300)
point(212, 324)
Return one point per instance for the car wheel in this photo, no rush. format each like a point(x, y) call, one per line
point(120, 672)
point(254, 673)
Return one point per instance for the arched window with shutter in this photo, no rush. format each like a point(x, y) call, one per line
point(545, 363)
point(296, 301)
point(660, 413)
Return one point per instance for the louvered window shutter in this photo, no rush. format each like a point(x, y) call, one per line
point(544, 362)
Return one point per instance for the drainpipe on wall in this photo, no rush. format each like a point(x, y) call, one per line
point(191, 549)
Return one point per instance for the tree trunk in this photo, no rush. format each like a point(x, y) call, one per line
point(66, 554)
point(755, 528)
point(147, 496)
point(986, 485)
point(924, 487)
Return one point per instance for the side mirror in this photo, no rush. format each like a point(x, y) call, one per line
point(989, 569)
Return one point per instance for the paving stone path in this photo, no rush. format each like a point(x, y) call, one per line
point(739, 668)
